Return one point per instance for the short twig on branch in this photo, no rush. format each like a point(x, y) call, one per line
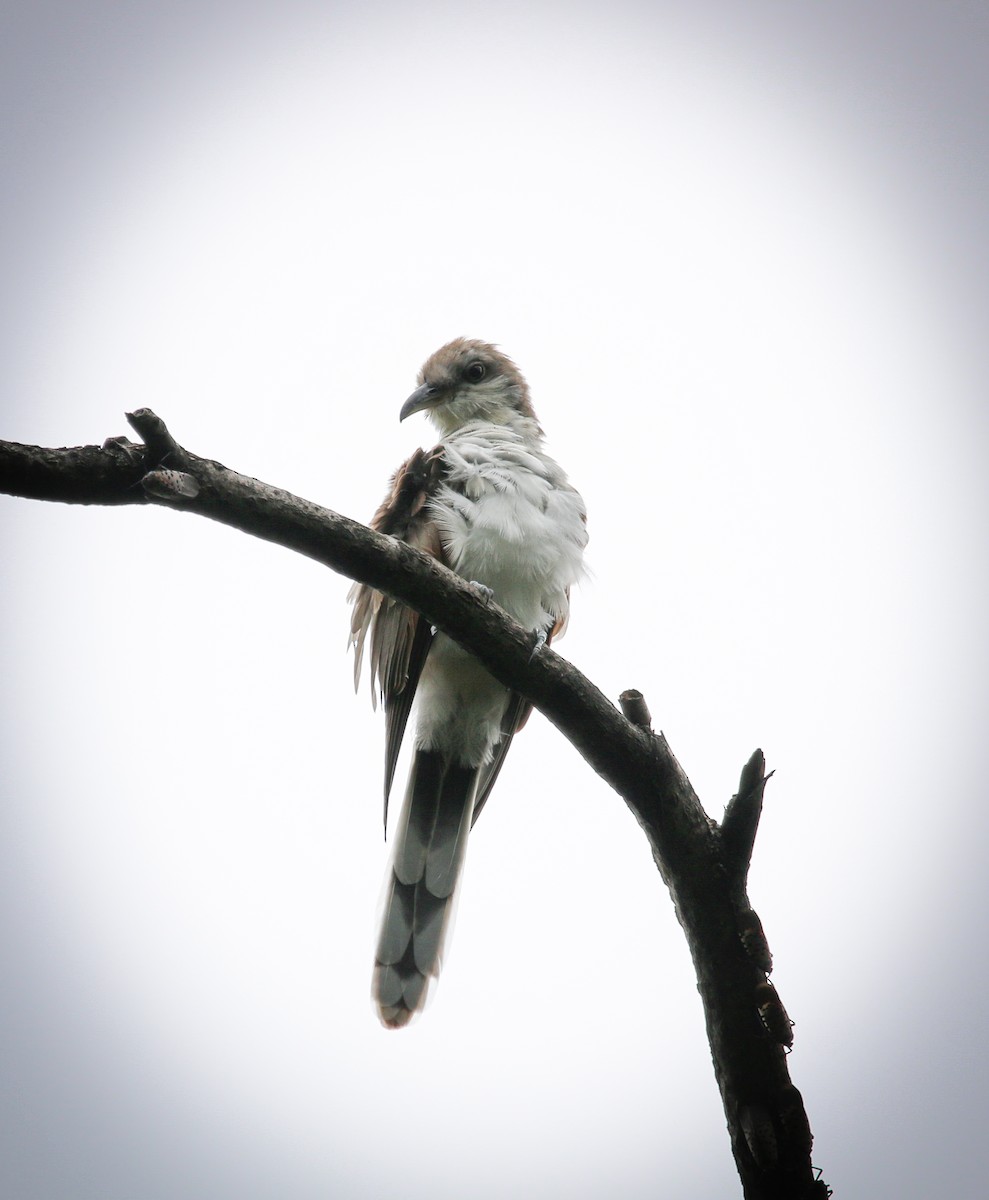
point(635, 708)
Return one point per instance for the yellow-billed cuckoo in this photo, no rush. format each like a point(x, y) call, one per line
point(490, 504)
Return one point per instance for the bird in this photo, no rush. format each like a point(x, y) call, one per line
point(489, 503)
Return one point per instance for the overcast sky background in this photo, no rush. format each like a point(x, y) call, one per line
point(740, 252)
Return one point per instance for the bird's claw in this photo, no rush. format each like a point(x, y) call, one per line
point(481, 588)
point(539, 640)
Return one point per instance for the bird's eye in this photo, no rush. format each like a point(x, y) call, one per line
point(475, 371)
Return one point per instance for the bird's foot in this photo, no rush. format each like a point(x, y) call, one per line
point(482, 589)
point(539, 640)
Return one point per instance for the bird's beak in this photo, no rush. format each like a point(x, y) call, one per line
point(427, 396)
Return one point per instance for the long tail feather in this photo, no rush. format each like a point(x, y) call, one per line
point(430, 842)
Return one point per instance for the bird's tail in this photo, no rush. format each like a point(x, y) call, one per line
point(430, 841)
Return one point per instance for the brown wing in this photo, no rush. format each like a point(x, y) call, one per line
point(399, 638)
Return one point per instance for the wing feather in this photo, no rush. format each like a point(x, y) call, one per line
point(398, 639)
point(398, 704)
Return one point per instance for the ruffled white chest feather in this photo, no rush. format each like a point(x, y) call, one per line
point(508, 519)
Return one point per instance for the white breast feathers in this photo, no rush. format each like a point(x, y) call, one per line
point(509, 519)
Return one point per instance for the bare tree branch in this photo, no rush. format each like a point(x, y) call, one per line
point(704, 865)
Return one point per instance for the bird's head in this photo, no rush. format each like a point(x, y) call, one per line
point(467, 380)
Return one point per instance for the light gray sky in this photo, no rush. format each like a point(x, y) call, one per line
point(740, 253)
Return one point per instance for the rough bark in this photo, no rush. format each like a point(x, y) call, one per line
point(704, 864)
